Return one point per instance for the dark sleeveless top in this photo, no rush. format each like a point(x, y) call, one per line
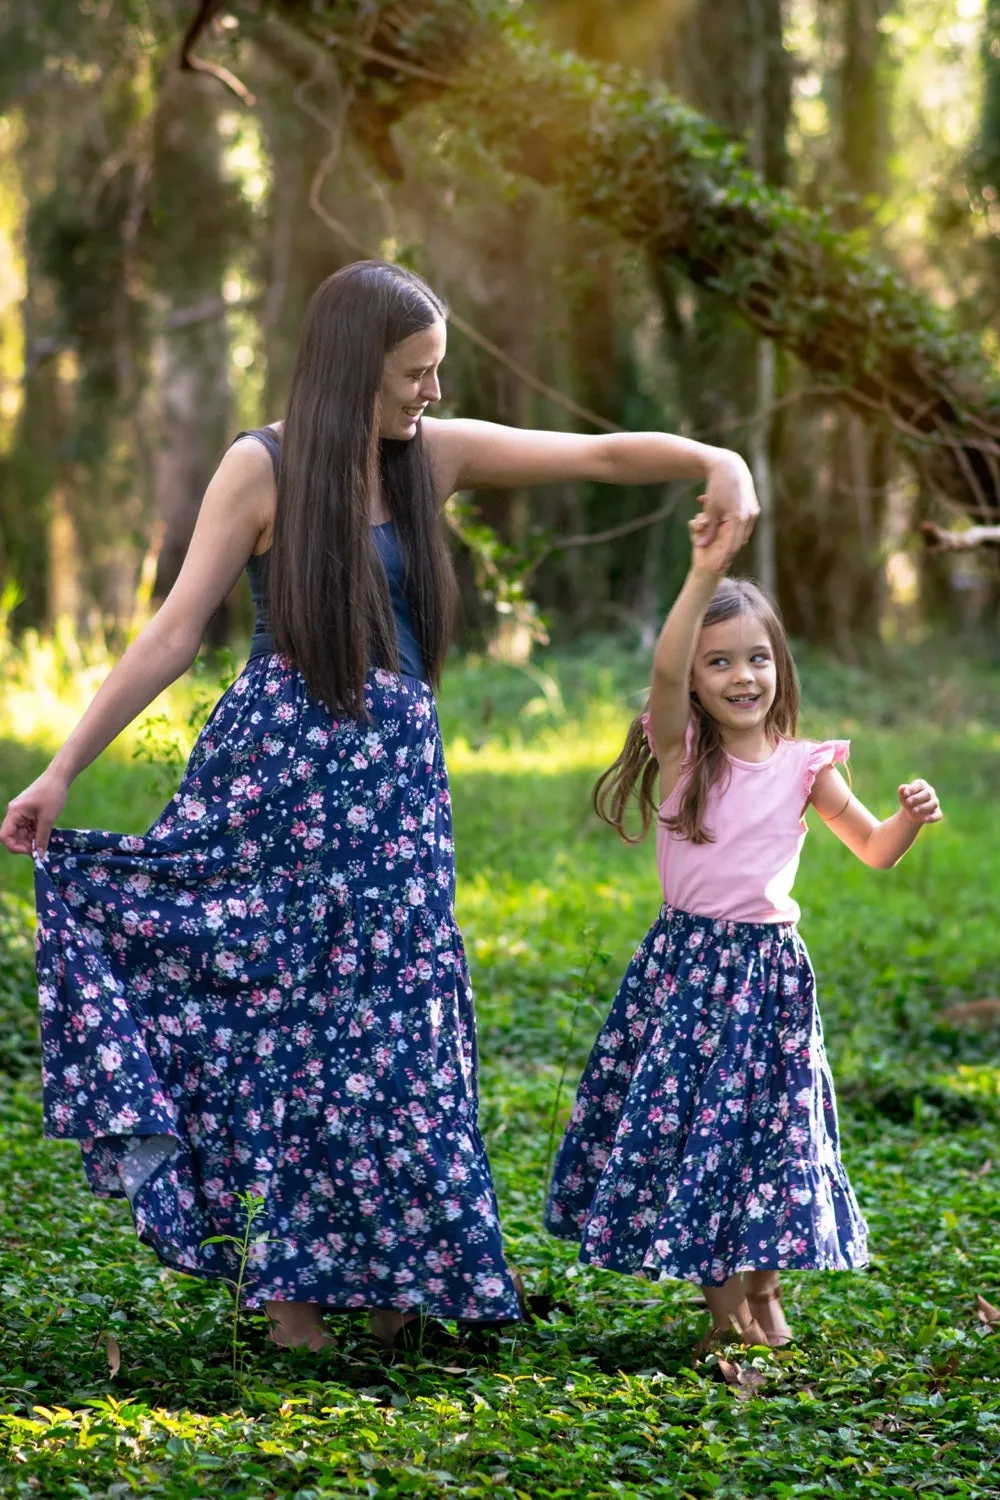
point(411, 661)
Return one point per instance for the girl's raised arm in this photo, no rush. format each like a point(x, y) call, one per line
point(670, 691)
point(475, 455)
point(879, 844)
point(237, 510)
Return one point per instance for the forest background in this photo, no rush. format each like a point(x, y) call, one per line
point(770, 225)
point(611, 259)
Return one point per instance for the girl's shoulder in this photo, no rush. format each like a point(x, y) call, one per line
point(813, 756)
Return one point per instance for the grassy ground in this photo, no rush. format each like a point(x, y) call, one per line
point(895, 1387)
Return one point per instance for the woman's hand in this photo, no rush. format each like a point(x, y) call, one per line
point(729, 496)
point(919, 802)
point(711, 555)
point(30, 816)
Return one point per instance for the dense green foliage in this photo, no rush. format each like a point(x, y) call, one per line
point(592, 216)
point(629, 154)
point(895, 1387)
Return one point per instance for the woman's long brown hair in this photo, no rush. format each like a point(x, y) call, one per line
point(633, 775)
point(329, 607)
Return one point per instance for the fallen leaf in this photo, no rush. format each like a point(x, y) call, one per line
point(114, 1356)
point(743, 1379)
point(988, 1314)
point(454, 1369)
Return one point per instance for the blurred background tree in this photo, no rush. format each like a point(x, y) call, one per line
point(161, 231)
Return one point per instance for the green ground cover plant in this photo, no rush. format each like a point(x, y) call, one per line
point(117, 1377)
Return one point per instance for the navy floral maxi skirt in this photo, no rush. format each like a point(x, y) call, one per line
point(704, 1138)
point(268, 993)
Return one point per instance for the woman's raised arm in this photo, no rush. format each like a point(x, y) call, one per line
point(236, 511)
point(476, 455)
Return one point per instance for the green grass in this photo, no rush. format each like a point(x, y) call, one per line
point(895, 1387)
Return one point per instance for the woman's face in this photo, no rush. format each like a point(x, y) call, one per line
point(410, 380)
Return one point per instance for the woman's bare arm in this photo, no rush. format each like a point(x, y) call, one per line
point(475, 455)
point(235, 513)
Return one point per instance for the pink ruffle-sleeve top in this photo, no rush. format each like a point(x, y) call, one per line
point(756, 817)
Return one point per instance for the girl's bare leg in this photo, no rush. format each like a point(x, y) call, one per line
point(764, 1298)
point(297, 1325)
point(728, 1304)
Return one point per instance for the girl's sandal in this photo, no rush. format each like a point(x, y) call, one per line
point(764, 1299)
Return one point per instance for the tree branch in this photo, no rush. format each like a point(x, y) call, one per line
point(940, 540)
point(203, 18)
point(625, 153)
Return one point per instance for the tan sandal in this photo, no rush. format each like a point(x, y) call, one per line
point(774, 1341)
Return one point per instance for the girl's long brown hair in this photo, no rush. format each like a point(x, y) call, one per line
point(329, 607)
point(634, 773)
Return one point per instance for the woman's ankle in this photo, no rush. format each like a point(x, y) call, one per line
point(385, 1322)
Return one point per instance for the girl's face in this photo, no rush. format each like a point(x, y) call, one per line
point(410, 381)
point(734, 673)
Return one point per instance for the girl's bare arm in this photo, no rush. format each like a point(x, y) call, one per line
point(879, 844)
point(673, 658)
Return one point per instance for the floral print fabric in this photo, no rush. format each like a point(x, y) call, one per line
point(704, 1139)
point(268, 992)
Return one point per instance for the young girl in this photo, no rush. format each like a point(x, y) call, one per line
point(703, 1143)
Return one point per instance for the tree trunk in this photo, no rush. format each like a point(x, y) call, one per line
point(833, 516)
point(729, 61)
point(191, 358)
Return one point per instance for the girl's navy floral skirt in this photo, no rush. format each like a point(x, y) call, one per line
point(268, 993)
point(704, 1140)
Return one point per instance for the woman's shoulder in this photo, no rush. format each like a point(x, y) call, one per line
point(442, 444)
point(259, 440)
point(246, 476)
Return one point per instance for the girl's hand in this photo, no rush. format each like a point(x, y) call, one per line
point(713, 557)
point(30, 816)
point(729, 498)
point(919, 802)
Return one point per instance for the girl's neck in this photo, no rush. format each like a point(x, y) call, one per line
point(753, 744)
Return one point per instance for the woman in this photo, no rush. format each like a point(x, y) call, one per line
point(267, 993)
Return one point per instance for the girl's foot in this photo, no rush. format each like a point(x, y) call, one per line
point(748, 1333)
point(769, 1314)
point(297, 1325)
point(729, 1311)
